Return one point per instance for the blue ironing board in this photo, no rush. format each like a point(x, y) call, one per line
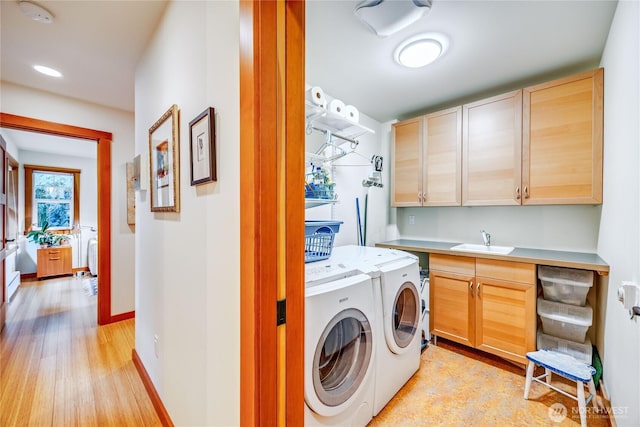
point(562, 364)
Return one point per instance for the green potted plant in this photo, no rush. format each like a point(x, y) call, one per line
point(45, 238)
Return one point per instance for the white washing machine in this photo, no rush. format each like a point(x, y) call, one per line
point(396, 284)
point(340, 330)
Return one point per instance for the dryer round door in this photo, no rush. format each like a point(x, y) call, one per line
point(341, 361)
point(401, 326)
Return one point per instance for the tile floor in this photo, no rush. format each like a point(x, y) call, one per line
point(458, 386)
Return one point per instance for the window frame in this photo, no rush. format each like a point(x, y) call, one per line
point(28, 193)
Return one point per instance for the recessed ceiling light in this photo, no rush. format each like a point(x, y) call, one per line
point(36, 12)
point(48, 71)
point(421, 50)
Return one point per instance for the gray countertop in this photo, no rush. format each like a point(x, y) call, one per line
point(586, 261)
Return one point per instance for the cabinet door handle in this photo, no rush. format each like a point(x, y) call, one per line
point(526, 192)
point(478, 288)
point(517, 193)
point(471, 286)
point(420, 196)
point(53, 259)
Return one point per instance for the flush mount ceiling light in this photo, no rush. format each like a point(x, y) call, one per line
point(35, 12)
point(421, 50)
point(385, 17)
point(47, 70)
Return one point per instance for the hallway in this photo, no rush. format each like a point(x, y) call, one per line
point(58, 368)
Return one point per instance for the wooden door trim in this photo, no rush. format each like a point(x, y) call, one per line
point(270, 174)
point(103, 139)
point(3, 234)
point(258, 376)
point(295, 214)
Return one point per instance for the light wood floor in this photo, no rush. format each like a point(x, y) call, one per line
point(58, 368)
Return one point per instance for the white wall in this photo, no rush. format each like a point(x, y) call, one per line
point(41, 105)
point(619, 240)
point(187, 263)
point(571, 228)
point(26, 261)
point(348, 173)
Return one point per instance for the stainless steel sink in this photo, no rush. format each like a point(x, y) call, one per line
point(482, 249)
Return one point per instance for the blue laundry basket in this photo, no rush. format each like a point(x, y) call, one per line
point(318, 239)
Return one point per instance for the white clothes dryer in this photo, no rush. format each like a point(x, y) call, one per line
point(396, 284)
point(339, 346)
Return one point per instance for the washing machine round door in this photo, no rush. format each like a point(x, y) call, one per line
point(342, 359)
point(405, 317)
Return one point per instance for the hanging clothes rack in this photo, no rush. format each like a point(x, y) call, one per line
point(336, 151)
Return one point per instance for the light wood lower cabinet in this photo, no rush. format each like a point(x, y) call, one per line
point(483, 303)
point(451, 298)
point(54, 261)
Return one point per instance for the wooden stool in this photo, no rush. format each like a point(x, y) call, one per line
point(567, 367)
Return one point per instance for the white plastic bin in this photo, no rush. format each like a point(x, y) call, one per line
point(566, 285)
point(581, 351)
point(564, 320)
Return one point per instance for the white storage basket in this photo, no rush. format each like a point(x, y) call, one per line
point(581, 351)
point(566, 285)
point(564, 320)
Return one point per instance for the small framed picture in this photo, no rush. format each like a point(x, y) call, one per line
point(202, 133)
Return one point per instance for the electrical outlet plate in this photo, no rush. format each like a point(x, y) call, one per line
point(412, 219)
point(156, 346)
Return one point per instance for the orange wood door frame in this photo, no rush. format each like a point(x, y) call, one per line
point(295, 214)
point(3, 233)
point(271, 177)
point(104, 196)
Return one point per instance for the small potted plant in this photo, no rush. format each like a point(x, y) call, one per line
point(60, 239)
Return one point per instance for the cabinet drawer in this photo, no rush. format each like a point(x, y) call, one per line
point(506, 270)
point(452, 264)
point(54, 261)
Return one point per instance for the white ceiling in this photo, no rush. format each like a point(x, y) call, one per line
point(495, 46)
point(38, 142)
point(95, 44)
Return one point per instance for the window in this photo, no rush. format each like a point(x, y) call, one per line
point(51, 195)
point(53, 199)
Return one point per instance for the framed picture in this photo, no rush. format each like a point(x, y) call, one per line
point(131, 195)
point(164, 149)
point(202, 134)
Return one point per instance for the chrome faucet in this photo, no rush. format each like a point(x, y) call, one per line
point(486, 237)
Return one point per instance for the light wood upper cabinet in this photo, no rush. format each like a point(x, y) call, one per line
point(427, 160)
point(492, 147)
point(540, 145)
point(442, 154)
point(562, 140)
point(406, 175)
